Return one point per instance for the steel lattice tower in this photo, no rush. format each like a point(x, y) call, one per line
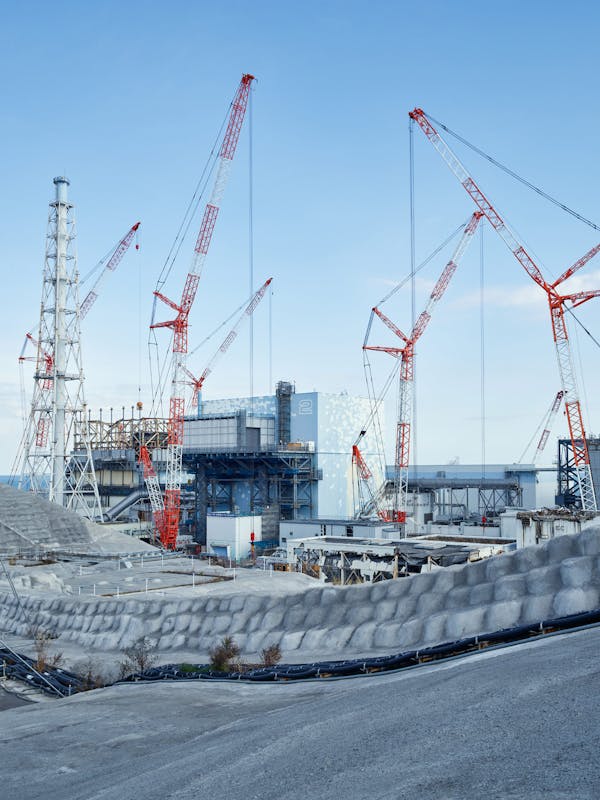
point(55, 456)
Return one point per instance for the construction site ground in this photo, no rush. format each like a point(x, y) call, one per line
point(145, 576)
point(522, 723)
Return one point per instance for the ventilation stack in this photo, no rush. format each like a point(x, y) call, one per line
point(55, 456)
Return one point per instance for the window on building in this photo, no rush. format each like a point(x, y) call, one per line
point(349, 530)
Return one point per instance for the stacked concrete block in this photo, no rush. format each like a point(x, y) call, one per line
point(559, 578)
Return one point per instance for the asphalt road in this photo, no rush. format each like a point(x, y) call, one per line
point(523, 722)
point(10, 700)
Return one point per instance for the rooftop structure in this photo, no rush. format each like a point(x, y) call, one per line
point(469, 491)
point(568, 490)
point(349, 560)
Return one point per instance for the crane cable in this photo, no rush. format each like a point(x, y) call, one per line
point(375, 400)
point(413, 313)
point(482, 348)
point(534, 188)
point(516, 176)
point(158, 370)
point(423, 264)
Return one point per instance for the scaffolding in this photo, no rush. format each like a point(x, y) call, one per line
point(568, 494)
point(108, 432)
point(281, 478)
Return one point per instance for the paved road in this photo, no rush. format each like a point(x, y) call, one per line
point(10, 700)
point(519, 723)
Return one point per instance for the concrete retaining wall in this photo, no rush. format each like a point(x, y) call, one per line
point(559, 578)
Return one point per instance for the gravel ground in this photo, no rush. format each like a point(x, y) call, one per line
point(522, 722)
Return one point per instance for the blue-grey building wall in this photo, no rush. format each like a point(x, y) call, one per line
point(332, 422)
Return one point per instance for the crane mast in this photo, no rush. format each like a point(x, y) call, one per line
point(556, 303)
point(167, 520)
point(406, 353)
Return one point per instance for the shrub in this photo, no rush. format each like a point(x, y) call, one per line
point(92, 677)
point(222, 655)
point(138, 657)
point(188, 668)
point(44, 659)
point(270, 655)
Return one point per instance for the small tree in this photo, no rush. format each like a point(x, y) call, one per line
point(271, 655)
point(138, 657)
point(90, 674)
point(44, 659)
point(223, 654)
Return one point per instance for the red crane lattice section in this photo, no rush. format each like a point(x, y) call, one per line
point(556, 303)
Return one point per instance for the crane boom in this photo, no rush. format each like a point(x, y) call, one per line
point(549, 422)
point(198, 383)
point(556, 303)
point(110, 266)
point(152, 484)
point(167, 522)
point(406, 377)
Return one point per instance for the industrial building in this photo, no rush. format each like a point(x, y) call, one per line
point(468, 492)
point(283, 456)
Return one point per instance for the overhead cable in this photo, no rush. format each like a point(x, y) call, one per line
point(516, 176)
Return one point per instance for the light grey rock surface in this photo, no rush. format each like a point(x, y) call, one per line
point(28, 522)
point(556, 579)
point(522, 723)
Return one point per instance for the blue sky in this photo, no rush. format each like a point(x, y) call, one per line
point(126, 98)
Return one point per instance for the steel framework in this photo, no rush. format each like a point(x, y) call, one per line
point(568, 486)
point(557, 304)
point(167, 510)
point(406, 354)
point(48, 460)
point(283, 478)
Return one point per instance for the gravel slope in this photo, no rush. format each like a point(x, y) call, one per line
point(523, 722)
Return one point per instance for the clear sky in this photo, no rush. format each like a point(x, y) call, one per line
point(126, 98)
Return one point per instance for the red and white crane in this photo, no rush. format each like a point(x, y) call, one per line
point(406, 354)
point(166, 513)
point(198, 383)
point(44, 376)
point(110, 266)
point(557, 304)
point(45, 361)
point(366, 504)
point(549, 423)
